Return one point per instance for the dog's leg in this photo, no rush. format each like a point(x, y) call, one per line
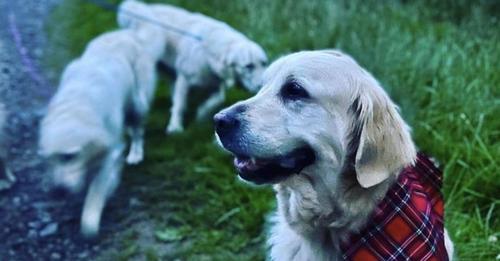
point(178, 105)
point(102, 186)
point(210, 104)
point(141, 100)
point(135, 130)
point(136, 152)
point(7, 179)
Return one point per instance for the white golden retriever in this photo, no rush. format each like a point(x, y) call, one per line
point(7, 179)
point(208, 54)
point(325, 133)
point(103, 94)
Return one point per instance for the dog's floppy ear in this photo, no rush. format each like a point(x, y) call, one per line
point(380, 140)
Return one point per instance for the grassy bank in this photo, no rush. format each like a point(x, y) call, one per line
point(438, 60)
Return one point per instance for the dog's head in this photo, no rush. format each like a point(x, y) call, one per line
point(72, 148)
point(319, 113)
point(248, 61)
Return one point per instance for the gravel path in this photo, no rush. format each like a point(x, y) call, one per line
point(34, 224)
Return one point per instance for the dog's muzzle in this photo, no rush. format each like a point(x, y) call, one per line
point(270, 170)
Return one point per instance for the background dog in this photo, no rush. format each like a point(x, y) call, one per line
point(323, 131)
point(102, 94)
point(208, 54)
point(6, 176)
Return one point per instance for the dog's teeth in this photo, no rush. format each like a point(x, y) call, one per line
point(253, 160)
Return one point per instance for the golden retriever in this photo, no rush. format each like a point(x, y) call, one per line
point(102, 95)
point(332, 142)
point(206, 54)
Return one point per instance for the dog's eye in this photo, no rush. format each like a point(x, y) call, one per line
point(66, 157)
point(293, 91)
point(250, 66)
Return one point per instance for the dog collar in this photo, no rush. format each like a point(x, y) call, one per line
point(408, 223)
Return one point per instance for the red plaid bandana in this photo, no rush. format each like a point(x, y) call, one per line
point(408, 223)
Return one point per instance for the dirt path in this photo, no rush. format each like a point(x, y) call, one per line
point(34, 225)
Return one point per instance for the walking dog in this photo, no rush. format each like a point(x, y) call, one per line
point(102, 95)
point(206, 54)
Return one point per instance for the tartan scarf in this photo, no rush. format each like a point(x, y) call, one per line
point(408, 222)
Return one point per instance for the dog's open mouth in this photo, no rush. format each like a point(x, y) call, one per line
point(273, 170)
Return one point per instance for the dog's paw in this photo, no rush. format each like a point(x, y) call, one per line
point(89, 227)
point(9, 180)
point(134, 158)
point(5, 185)
point(171, 129)
point(92, 211)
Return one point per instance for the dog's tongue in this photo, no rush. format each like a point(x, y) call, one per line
point(262, 171)
point(248, 164)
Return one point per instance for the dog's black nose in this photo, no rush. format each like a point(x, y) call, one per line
point(228, 121)
point(225, 122)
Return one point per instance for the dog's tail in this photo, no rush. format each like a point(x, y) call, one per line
point(132, 13)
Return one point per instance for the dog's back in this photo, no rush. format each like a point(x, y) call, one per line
point(139, 17)
point(92, 80)
point(188, 31)
point(197, 24)
point(168, 17)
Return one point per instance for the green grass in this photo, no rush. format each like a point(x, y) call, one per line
point(438, 59)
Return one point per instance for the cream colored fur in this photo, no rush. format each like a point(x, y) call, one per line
point(217, 60)
point(102, 95)
point(360, 140)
